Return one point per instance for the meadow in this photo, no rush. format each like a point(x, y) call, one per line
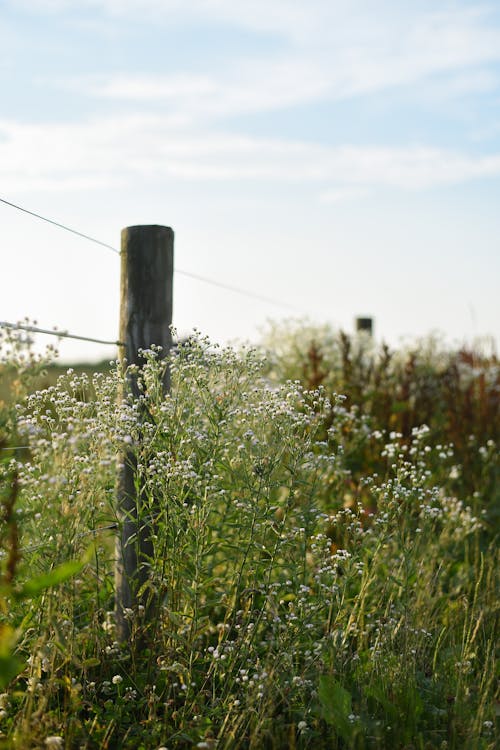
point(324, 571)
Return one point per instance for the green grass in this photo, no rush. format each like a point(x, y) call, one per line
point(319, 578)
point(44, 377)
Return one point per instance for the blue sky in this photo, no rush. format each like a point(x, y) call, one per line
point(343, 157)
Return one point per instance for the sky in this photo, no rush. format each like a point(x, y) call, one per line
point(340, 158)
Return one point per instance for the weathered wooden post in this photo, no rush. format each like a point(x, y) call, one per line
point(147, 265)
point(365, 324)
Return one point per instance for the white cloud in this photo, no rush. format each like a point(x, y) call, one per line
point(293, 19)
point(338, 195)
point(137, 88)
point(341, 53)
point(119, 151)
point(334, 50)
point(251, 86)
point(450, 30)
point(419, 37)
point(405, 51)
point(443, 90)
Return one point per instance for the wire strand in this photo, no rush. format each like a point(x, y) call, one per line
point(59, 334)
point(92, 532)
point(61, 226)
point(189, 274)
point(236, 289)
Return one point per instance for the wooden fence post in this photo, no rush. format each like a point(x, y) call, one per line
point(365, 324)
point(145, 319)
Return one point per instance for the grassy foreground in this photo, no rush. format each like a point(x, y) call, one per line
point(324, 571)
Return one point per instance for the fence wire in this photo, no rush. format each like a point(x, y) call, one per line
point(59, 334)
point(188, 274)
point(91, 532)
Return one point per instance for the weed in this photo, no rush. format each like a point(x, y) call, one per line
point(314, 582)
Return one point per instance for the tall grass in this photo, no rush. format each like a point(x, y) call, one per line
point(455, 392)
point(300, 602)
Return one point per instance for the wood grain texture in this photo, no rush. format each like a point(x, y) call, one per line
point(145, 319)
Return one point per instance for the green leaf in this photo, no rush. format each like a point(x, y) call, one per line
point(336, 705)
point(91, 662)
point(400, 406)
point(35, 586)
point(376, 693)
point(10, 665)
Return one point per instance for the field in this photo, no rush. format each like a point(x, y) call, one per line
point(323, 517)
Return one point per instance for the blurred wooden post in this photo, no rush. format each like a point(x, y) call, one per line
point(145, 319)
point(365, 324)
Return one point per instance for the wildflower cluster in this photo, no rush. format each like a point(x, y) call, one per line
point(297, 600)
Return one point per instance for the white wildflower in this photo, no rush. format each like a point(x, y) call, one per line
point(54, 742)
